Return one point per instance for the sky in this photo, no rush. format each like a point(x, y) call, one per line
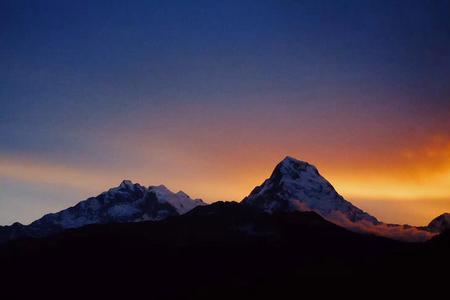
point(208, 96)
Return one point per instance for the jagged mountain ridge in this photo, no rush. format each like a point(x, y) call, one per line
point(129, 202)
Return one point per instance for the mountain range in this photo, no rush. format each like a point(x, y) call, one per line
point(293, 186)
point(129, 202)
point(292, 235)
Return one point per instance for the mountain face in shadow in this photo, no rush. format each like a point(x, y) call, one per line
point(216, 249)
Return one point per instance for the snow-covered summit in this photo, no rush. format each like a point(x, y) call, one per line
point(128, 202)
point(180, 200)
point(298, 185)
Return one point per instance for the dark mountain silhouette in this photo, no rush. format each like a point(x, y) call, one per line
point(219, 249)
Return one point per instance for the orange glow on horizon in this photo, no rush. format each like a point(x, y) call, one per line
point(420, 177)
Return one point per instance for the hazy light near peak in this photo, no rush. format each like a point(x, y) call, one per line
point(422, 172)
point(394, 189)
point(389, 185)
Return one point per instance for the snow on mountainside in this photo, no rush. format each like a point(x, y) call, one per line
point(298, 186)
point(128, 202)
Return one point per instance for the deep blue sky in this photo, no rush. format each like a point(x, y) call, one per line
point(139, 87)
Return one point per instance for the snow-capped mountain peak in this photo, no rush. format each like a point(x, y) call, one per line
point(180, 200)
point(128, 185)
point(298, 185)
point(290, 164)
